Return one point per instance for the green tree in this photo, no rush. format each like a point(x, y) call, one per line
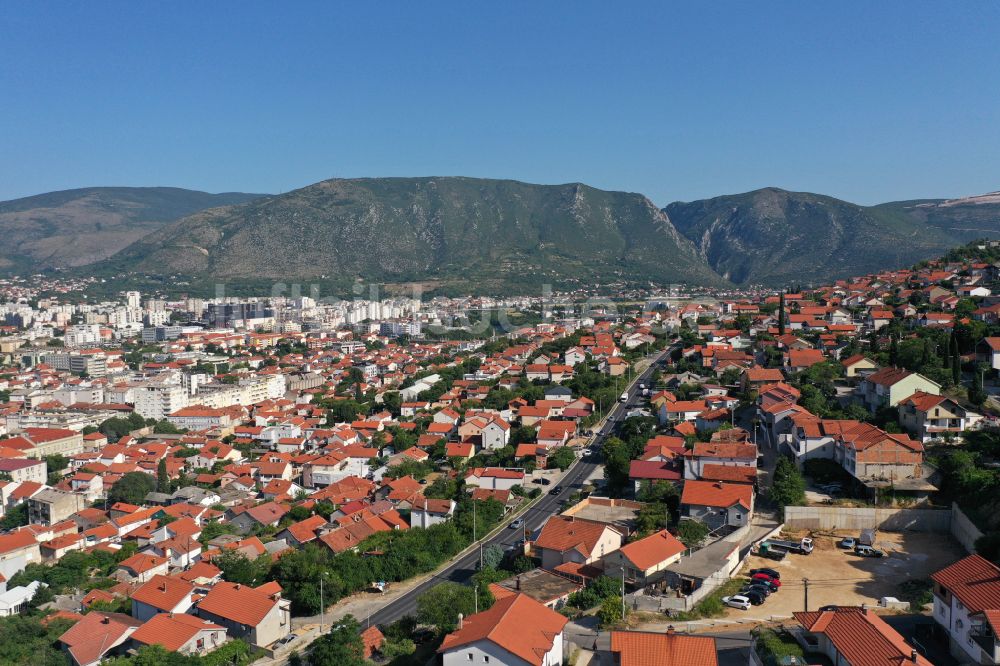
point(610, 612)
point(788, 487)
point(440, 605)
point(561, 457)
point(132, 488)
point(342, 646)
point(162, 477)
point(781, 313)
point(238, 568)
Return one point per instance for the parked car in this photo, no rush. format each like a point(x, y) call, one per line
point(286, 640)
point(737, 601)
point(847, 542)
point(762, 590)
point(767, 579)
point(764, 570)
point(544, 481)
point(868, 551)
point(556, 490)
point(831, 607)
point(517, 524)
point(755, 595)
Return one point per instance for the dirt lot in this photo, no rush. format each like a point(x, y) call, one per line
point(840, 577)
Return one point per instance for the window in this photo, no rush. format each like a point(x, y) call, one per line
point(486, 660)
point(469, 656)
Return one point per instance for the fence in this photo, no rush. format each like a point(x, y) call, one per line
point(938, 521)
point(829, 518)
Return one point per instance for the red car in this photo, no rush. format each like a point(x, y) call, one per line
point(766, 578)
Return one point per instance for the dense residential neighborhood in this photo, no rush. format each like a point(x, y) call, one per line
point(291, 481)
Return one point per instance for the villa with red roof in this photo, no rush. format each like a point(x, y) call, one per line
point(967, 606)
point(516, 630)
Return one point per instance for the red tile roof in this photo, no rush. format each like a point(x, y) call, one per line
point(163, 592)
point(171, 630)
point(861, 636)
point(717, 494)
point(643, 648)
point(238, 603)
point(518, 624)
point(652, 550)
point(974, 580)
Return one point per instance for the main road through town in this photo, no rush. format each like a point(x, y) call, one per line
point(462, 568)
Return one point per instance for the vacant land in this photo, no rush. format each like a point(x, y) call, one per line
point(842, 578)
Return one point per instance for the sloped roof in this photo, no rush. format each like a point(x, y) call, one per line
point(861, 636)
point(974, 580)
point(644, 648)
point(518, 624)
point(652, 550)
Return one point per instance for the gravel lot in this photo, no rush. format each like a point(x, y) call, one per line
point(840, 577)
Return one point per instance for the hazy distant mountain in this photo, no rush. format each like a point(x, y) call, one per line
point(479, 235)
point(80, 227)
point(483, 235)
point(777, 237)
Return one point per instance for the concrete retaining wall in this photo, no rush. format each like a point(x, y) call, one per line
point(829, 518)
point(963, 530)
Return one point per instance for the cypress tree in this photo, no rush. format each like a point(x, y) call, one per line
point(781, 313)
point(162, 479)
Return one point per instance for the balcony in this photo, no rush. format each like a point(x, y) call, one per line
point(986, 639)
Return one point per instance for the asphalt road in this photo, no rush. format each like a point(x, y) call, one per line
point(462, 569)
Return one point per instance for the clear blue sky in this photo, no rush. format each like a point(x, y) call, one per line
point(868, 101)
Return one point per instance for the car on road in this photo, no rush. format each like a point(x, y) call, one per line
point(772, 582)
point(848, 543)
point(517, 524)
point(556, 490)
point(868, 551)
point(737, 601)
point(776, 575)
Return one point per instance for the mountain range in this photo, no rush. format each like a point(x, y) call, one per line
point(477, 235)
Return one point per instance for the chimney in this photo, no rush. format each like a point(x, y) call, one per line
point(913, 656)
point(105, 620)
point(237, 586)
point(670, 629)
point(864, 609)
point(461, 618)
point(517, 583)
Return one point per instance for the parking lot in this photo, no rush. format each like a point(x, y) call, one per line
point(840, 577)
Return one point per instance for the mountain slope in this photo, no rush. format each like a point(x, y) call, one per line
point(776, 237)
point(82, 226)
point(965, 219)
point(483, 234)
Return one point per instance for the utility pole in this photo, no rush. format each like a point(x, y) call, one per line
point(623, 593)
point(322, 606)
point(805, 589)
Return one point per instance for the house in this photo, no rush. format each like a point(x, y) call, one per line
point(755, 377)
point(641, 472)
point(853, 636)
point(889, 386)
point(797, 360)
point(51, 506)
point(644, 560)
point(268, 514)
point(927, 416)
point(161, 594)
point(681, 410)
point(731, 453)
point(644, 648)
point(426, 512)
point(18, 550)
point(23, 469)
point(988, 351)
point(255, 615)
point(568, 539)
point(717, 503)
point(96, 636)
point(549, 588)
point(967, 606)
point(858, 365)
point(515, 631)
point(181, 633)
point(141, 567)
point(494, 478)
